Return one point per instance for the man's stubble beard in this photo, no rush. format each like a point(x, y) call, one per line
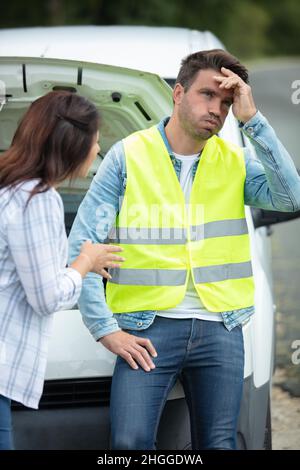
point(187, 124)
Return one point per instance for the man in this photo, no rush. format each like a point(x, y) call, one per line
point(175, 307)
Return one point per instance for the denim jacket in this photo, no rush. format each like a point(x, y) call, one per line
point(272, 183)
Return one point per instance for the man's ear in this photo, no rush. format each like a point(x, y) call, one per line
point(178, 93)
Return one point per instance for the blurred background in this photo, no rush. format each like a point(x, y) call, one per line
point(266, 35)
point(249, 28)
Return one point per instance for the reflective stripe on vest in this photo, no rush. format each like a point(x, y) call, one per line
point(148, 277)
point(210, 239)
point(177, 277)
point(178, 236)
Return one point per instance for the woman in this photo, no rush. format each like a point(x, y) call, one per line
point(56, 139)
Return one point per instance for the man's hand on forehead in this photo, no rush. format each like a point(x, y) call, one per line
point(243, 106)
point(229, 79)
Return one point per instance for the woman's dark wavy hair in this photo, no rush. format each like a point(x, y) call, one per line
point(51, 142)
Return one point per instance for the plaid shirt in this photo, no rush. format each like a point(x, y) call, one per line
point(34, 283)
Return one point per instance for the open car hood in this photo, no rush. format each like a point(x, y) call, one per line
point(127, 99)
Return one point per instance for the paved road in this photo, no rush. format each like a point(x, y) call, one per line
point(285, 416)
point(271, 85)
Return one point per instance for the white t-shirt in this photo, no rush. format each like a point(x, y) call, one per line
point(191, 306)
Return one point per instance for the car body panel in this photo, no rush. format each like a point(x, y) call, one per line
point(114, 45)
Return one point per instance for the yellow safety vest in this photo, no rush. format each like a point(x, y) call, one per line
point(163, 240)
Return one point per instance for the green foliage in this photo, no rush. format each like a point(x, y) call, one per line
point(246, 29)
point(249, 28)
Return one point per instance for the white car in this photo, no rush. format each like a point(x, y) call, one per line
point(74, 409)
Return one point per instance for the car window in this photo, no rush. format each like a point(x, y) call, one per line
point(73, 192)
point(170, 81)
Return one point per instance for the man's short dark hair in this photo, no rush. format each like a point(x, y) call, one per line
point(212, 59)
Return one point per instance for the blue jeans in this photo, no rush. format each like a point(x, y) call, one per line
point(209, 361)
point(5, 424)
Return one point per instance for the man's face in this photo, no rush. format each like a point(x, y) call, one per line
point(203, 108)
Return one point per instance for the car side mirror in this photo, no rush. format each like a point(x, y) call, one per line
point(262, 218)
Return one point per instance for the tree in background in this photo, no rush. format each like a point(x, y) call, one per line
point(249, 28)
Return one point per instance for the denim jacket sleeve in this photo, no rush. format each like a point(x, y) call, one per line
point(95, 217)
point(272, 181)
